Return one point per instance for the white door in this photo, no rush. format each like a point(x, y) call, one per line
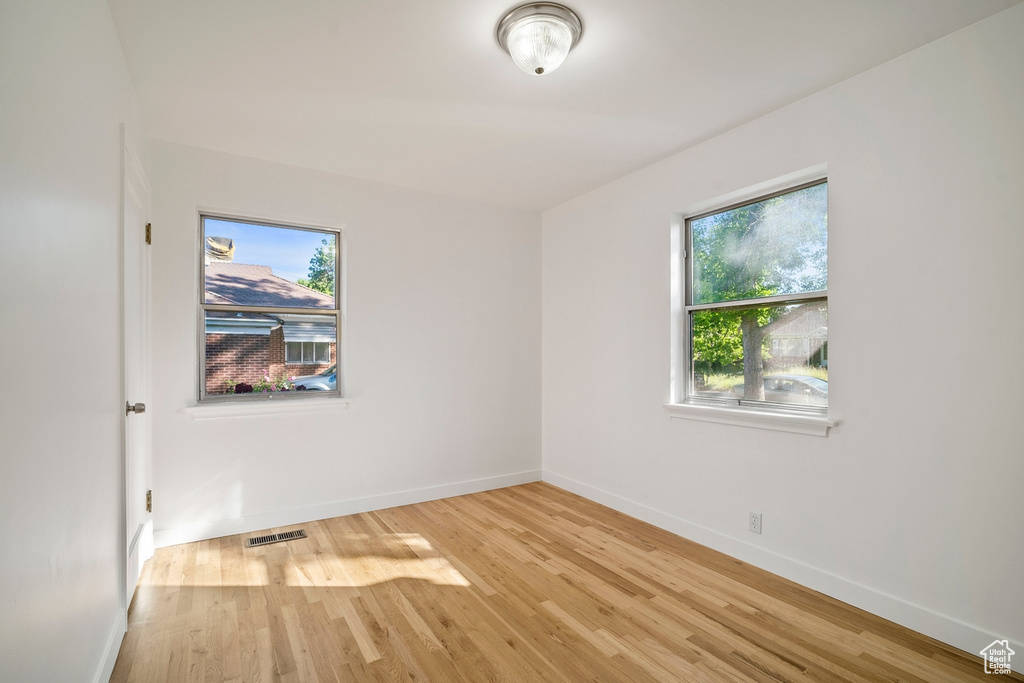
point(137, 433)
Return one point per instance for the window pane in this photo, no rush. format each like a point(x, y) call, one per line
point(775, 246)
point(248, 264)
point(267, 352)
point(785, 346)
point(323, 352)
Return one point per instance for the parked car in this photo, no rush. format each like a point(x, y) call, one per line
point(800, 389)
point(325, 381)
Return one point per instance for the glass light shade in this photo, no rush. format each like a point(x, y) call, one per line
point(539, 44)
point(539, 35)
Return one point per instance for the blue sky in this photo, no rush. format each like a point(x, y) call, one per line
point(285, 250)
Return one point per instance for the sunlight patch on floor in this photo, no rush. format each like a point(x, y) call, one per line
point(374, 560)
point(364, 560)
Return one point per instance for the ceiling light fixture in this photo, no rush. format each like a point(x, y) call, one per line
point(539, 35)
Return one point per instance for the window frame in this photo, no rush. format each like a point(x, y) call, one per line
point(337, 312)
point(683, 400)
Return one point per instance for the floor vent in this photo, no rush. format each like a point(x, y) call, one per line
point(274, 538)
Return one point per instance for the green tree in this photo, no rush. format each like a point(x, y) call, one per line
point(718, 338)
point(775, 246)
point(321, 268)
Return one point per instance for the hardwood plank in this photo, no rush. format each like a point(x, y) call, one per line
point(606, 648)
point(528, 583)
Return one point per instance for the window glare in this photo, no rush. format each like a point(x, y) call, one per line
point(774, 246)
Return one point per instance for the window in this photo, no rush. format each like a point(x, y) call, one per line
point(755, 314)
point(269, 309)
point(307, 352)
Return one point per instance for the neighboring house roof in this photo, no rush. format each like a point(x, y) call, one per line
point(250, 285)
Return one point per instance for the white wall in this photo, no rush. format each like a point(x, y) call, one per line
point(443, 353)
point(912, 506)
point(65, 92)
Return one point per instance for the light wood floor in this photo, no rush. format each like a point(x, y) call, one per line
point(528, 583)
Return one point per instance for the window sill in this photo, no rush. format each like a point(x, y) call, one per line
point(761, 419)
point(259, 407)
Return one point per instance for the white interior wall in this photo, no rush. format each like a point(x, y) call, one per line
point(910, 507)
point(66, 91)
point(442, 347)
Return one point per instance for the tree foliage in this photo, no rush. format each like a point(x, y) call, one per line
point(718, 339)
point(321, 268)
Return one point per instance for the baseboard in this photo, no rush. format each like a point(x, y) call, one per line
point(267, 520)
point(946, 629)
point(117, 632)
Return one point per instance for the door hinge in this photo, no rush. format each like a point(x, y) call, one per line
point(149, 233)
point(149, 500)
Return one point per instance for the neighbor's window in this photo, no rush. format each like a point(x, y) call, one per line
point(307, 352)
point(756, 314)
point(270, 309)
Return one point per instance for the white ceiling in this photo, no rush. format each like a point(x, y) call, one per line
point(418, 93)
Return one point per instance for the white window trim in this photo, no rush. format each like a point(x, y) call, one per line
point(814, 425)
point(267, 404)
point(678, 406)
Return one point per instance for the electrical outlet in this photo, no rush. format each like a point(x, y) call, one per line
point(754, 522)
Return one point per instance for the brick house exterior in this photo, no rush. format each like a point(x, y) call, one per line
point(233, 358)
point(244, 347)
point(801, 340)
point(280, 368)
